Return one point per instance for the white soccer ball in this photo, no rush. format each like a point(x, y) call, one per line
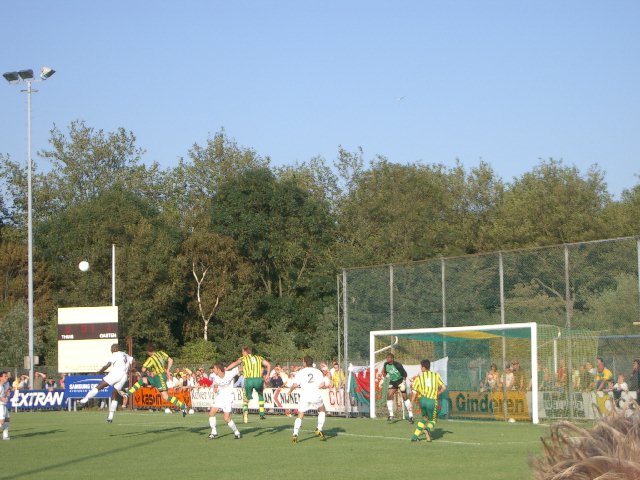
point(512, 420)
point(191, 411)
point(83, 266)
point(167, 410)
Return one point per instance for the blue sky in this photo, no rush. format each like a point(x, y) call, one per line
point(509, 82)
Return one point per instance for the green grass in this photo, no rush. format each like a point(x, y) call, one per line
point(143, 445)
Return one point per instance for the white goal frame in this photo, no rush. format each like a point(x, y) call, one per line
point(533, 336)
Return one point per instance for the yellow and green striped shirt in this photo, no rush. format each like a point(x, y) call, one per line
point(427, 384)
point(156, 363)
point(252, 366)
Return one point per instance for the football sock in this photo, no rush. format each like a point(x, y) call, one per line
point(296, 426)
point(419, 428)
point(390, 407)
point(407, 403)
point(135, 387)
point(5, 430)
point(90, 394)
point(232, 426)
point(261, 405)
point(321, 418)
point(176, 402)
point(213, 423)
point(113, 406)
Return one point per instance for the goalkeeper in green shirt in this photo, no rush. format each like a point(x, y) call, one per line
point(397, 375)
point(427, 387)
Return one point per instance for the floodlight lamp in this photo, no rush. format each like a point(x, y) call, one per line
point(46, 72)
point(11, 77)
point(26, 74)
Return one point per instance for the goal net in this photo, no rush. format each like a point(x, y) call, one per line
point(492, 372)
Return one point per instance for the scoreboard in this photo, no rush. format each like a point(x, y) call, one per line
point(85, 336)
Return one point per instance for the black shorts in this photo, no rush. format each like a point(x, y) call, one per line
point(396, 383)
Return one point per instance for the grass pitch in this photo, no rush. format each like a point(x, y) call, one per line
point(143, 444)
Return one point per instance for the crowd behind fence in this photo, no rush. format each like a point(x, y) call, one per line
point(590, 287)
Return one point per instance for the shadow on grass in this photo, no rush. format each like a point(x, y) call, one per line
point(43, 472)
point(439, 433)
point(37, 434)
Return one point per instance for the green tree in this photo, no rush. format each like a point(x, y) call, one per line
point(189, 187)
point(216, 269)
point(286, 233)
point(551, 205)
point(150, 280)
point(13, 333)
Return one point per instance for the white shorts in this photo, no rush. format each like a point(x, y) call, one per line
point(223, 401)
point(310, 402)
point(4, 411)
point(116, 379)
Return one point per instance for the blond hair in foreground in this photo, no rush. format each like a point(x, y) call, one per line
point(610, 450)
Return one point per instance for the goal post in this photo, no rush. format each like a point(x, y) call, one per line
point(463, 355)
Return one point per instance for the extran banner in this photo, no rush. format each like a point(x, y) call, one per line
point(37, 399)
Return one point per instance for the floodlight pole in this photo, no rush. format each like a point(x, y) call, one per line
point(30, 234)
point(26, 76)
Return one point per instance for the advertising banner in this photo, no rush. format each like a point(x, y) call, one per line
point(274, 399)
point(487, 405)
point(149, 397)
point(37, 400)
point(77, 386)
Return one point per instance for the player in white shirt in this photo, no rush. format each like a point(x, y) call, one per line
point(310, 380)
point(223, 384)
point(120, 364)
point(5, 391)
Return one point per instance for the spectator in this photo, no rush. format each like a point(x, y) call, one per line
point(506, 380)
point(603, 374)
point(202, 379)
point(491, 379)
point(620, 392)
point(587, 378)
point(544, 378)
point(50, 384)
point(519, 382)
point(278, 377)
point(21, 383)
point(61, 381)
point(575, 379)
point(634, 380)
point(38, 380)
point(561, 374)
point(337, 375)
point(10, 379)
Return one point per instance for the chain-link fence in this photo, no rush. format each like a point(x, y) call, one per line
point(589, 287)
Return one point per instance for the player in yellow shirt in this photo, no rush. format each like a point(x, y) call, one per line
point(253, 372)
point(159, 365)
point(427, 387)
